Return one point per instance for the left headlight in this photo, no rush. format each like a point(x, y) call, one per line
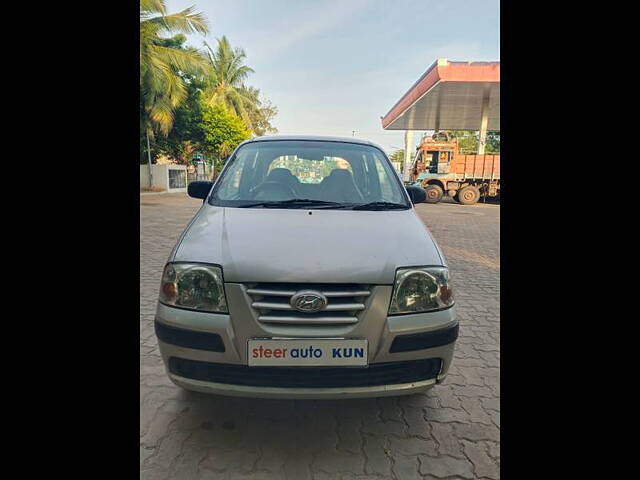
point(421, 289)
point(194, 286)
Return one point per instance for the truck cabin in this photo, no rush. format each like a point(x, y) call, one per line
point(435, 160)
point(436, 154)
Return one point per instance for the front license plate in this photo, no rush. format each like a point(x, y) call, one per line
point(318, 352)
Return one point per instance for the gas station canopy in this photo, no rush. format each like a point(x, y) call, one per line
point(450, 96)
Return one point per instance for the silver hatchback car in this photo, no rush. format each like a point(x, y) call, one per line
point(306, 273)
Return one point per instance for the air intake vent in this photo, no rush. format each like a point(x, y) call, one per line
point(392, 373)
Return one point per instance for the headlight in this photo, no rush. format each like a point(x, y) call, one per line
point(421, 289)
point(193, 286)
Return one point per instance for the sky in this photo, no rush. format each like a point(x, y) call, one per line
point(333, 67)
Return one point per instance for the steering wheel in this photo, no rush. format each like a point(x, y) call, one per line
point(273, 191)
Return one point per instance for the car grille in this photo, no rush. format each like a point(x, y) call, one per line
point(392, 373)
point(345, 304)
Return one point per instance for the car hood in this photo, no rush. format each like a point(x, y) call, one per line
point(307, 246)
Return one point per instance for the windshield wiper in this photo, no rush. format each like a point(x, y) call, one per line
point(295, 202)
point(381, 206)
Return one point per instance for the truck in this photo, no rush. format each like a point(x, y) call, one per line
point(441, 170)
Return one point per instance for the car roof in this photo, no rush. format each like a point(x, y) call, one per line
point(316, 138)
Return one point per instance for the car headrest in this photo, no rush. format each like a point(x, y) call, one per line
point(339, 186)
point(341, 174)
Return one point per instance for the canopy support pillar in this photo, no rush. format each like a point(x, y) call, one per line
point(484, 120)
point(408, 154)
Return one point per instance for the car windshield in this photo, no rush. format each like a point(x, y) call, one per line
point(309, 174)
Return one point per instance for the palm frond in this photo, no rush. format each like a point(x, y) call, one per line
point(181, 60)
point(162, 67)
point(185, 21)
point(227, 75)
point(152, 7)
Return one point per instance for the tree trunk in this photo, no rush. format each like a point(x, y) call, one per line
point(149, 157)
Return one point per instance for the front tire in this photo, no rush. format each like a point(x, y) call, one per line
point(434, 194)
point(469, 195)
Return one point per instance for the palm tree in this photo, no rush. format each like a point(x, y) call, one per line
point(162, 86)
point(226, 77)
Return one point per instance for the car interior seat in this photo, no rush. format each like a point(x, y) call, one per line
point(339, 186)
point(283, 175)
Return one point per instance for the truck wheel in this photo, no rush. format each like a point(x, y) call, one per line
point(434, 194)
point(469, 195)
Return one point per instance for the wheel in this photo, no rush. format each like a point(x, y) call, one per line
point(434, 194)
point(469, 195)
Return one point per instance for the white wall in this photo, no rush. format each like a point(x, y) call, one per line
point(160, 175)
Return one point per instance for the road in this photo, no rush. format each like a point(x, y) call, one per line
point(452, 431)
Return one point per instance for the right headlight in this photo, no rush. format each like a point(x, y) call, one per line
point(421, 289)
point(195, 286)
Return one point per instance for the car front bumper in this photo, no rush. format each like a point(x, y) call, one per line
point(220, 340)
point(302, 393)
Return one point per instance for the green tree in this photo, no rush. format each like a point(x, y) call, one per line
point(226, 86)
point(397, 156)
point(468, 141)
point(162, 65)
point(223, 132)
point(260, 112)
point(493, 142)
point(186, 135)
point(226, 76)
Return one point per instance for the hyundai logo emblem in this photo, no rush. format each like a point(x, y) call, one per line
point(308, 301)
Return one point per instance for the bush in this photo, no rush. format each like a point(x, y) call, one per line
point(223, 132)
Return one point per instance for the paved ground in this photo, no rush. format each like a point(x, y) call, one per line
point(452, 431)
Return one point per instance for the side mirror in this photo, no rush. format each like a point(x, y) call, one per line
point(199, 189)
point(417, 194)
